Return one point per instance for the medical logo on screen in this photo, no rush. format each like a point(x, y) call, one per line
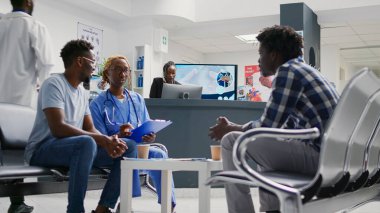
point(224, 79)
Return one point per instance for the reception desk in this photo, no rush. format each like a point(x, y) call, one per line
point(188, 135)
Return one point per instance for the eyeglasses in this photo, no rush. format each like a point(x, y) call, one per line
point(120, 70)
point(92, 62)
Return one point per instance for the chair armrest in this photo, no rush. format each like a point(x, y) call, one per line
point(160, 146)
point(1, 155)
point(289, 195)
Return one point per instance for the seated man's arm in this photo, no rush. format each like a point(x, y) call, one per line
point(88, 124)
point(60, 129)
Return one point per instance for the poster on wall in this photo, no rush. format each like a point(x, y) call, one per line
point(253, 90)
point(95, 37)
point(92, 35)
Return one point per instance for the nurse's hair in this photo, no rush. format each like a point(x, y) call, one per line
point(108, 65)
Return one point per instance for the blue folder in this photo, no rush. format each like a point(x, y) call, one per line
point(151, 126)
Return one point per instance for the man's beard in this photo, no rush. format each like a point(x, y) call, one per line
point(86, 83)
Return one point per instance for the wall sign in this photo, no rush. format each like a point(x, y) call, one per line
point(92, 35)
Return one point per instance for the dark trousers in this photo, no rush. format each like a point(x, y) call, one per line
point(17, 200)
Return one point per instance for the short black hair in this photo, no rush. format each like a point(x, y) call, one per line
point(167, 65)
point(17, 3)
point(73, 49)
point(282, 39)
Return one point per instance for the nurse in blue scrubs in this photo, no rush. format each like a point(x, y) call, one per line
point(117, 111)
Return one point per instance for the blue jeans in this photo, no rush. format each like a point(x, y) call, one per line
point(111, 191)
point(156, 174)
point(79, 153)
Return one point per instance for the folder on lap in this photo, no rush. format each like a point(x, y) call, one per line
point(151, 126)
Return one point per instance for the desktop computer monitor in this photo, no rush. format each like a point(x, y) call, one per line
point(219, 81)
point(185, 91)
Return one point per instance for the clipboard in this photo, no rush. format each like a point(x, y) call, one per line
point(148, 127)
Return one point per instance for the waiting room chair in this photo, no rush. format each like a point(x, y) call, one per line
point(333, 176)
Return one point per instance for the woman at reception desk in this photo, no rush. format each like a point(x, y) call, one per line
point(169, 71)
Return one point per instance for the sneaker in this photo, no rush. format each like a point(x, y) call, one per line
point(22, 208)
point(118, 208)
point(107, 211)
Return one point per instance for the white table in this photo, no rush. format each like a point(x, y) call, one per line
point(166, 166)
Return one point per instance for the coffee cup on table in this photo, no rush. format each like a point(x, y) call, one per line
point(215, 152)
point(143, 151)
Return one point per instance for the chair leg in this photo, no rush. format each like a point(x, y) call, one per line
point(147, 184)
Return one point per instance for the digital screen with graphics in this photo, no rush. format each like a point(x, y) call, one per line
point(219, 81)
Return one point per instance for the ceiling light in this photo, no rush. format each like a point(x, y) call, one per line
point(249, 38)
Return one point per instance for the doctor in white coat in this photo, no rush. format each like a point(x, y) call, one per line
point(26, 56)
point(25, 59)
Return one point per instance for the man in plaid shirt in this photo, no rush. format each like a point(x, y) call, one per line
point(301, 98)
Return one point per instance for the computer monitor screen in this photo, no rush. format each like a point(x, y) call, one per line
point(219, 81)
point(177, 91)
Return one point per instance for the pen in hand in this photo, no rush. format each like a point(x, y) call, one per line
point(125, 130)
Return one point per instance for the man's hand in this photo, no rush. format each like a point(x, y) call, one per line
point(125, 130)
point(149, 137)
point(114, 146)
point(222, 127)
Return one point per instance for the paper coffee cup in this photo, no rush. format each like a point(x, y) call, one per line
point(215, 152)
point(143, 151)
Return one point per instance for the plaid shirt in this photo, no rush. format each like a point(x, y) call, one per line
point(301, 98)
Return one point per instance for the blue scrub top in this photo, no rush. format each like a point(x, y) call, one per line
point(108, 113)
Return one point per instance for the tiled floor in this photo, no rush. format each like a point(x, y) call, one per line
point(186, 199)
point(186, 202)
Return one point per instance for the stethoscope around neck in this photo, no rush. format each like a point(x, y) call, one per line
point(110, 99)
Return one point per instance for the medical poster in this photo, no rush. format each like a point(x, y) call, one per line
point(92, 35)
point(253, 90)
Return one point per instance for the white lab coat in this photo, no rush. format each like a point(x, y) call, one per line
point(25, 56)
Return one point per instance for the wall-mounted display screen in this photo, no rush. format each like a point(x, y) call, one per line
point(219, 81)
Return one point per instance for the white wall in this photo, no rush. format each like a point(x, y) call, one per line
point(5, 6)
point(182, 54)
point(335, 68)
point(330, 64)
point(182, 8)
point(132, 36)
point(121, 6)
